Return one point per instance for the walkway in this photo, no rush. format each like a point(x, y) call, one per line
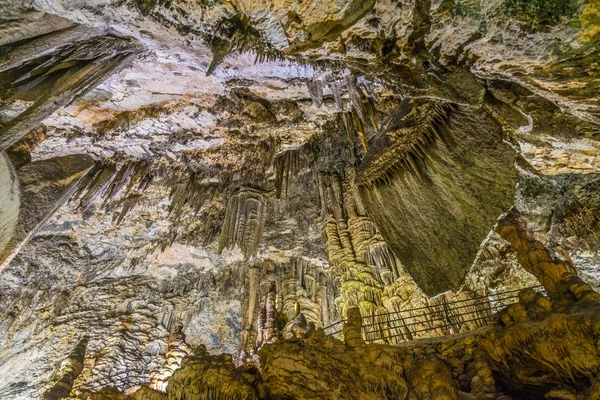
point(439, 318)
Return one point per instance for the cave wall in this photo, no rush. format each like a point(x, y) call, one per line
point(227, 194)
point(10, 200)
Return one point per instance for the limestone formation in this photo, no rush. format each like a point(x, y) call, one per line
point(10, 200)
point(69, 369)
point(533, 358)
point(44, 186)
point(422, 158)
point(50, 69)
point(316, 199)
point(244, 221)
point(177, 350)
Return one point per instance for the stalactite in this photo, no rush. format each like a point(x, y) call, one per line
point(97, 57)
point(244, 222)
point(122, 177)
point(92, 188)
point(380, 255)
point(336, 90)
point(287, 164)
point(354, 129)
point(372, 278)
point(369, 88)
point(128, 204)
point(380, 165)
point(415, 178)
point(355, 97)
point(315, 89)
point(359, 128)
point(141, 177)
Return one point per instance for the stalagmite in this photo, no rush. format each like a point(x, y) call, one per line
point(268, 320)
point(176, 351)
point(559, 277)
point(301, 328)
point(353, 328)
point(68, 371)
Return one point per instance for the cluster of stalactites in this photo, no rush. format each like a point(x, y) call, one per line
point(373, 279)
point(244, 222)
point(361, 120)
point(356, 89)
point(107, 181)
point(286, 164)
point(68, 63)
point(268, 319)
point(121, 186)
point(406, 148)
point(177, 349)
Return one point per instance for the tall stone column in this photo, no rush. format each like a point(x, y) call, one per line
point(559, 277)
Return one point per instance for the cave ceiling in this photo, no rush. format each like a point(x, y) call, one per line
point(165, 161)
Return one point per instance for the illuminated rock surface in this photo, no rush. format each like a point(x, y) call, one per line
point(190, 190)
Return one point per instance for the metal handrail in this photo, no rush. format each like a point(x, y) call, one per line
point(437, 319)
point(436, 305)
point(386, 328)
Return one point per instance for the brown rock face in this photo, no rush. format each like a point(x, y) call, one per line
point(530, 359)
point(431, 379)
point(307, 371)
